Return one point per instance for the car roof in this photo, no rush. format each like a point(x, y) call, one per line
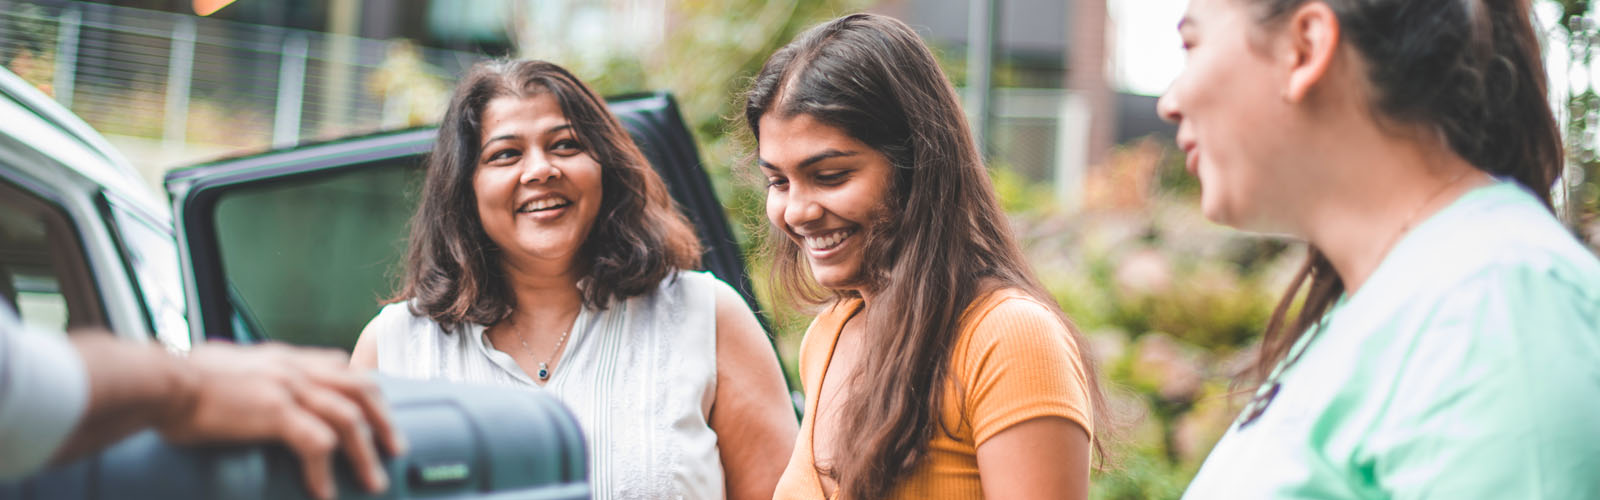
point(36, 120)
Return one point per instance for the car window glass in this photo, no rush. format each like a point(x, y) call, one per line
point(152, 258)
point(310, 259)
point(43, 274)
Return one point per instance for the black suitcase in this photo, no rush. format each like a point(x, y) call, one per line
point(466, 441)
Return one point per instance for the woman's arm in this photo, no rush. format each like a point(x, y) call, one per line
point(1046, 457)
point(365, 354)
point(1028, 397)
point(752, 415)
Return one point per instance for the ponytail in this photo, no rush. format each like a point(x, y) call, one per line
point(1472, 70)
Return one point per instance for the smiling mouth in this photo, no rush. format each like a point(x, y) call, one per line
point(543, 205)
point(829, 240)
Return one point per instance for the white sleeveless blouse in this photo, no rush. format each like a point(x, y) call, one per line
point(640, 376)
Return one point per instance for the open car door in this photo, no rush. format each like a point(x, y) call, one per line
point(302, 245)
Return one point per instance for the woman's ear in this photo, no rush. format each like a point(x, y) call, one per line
point(1312, 36)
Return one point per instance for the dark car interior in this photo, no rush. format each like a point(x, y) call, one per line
point(43, 273)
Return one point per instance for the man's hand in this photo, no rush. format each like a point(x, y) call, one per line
point(305, 398)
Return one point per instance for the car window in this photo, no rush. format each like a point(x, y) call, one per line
point(309, 259)
point(43, 273)
point(152, 258)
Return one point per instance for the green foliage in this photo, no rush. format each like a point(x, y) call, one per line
point(1172, 178)
point(1577, 23)
point(1218, 300)
point(1018, 194)
point(1171, 305)
point(1141, 476)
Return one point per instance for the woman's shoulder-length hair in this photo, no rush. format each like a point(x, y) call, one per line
point(453, 272)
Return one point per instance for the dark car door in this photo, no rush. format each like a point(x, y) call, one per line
point(303, 245)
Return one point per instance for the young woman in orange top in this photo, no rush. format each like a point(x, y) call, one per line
point(939, 368)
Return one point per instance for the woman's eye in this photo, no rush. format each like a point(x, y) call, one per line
point(565, 146)
point(777, 182)
point(503, 154)
point(831, 177)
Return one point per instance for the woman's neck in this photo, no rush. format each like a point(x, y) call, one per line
point(1391, 189)
point(542, 290)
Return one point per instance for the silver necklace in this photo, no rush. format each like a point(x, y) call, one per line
point(544, 366)
point(1412, 219)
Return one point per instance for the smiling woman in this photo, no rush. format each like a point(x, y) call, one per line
point(538, 193)
point(939, 367)
point(547, 253)
point(849, 181)
point(1445, 342)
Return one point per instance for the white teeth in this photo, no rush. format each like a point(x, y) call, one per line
point(827, 241)
point(543, 204)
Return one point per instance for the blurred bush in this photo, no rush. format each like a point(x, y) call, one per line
point(1577, 33)
point(1172, 306)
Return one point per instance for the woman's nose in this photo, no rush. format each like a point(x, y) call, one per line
point(801, 209)
point(539, 169)
point(1167, 107)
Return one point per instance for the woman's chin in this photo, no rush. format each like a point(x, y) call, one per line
point(1247, 221)
point(1215, 210)
point(836, 280)
point(544, 251)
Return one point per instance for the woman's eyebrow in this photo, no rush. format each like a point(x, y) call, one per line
point(825, 154)
point(551, 130)
point(497, 138)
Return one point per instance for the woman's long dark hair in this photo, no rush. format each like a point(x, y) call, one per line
point(453, 269)
point(1470, 69)
point(944, 243)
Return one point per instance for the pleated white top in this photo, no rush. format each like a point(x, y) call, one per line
point(640, 376)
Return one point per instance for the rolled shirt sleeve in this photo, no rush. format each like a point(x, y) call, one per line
point(44, 391)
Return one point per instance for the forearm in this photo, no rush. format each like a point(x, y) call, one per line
point(132, 386)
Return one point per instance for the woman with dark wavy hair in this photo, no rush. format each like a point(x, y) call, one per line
point(939, 368)
point(1448, 341)
point(547, 253)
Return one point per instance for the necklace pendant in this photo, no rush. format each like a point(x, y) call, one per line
point(544, 371)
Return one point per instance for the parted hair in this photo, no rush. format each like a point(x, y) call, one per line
point(453, 271)
point(944, 242)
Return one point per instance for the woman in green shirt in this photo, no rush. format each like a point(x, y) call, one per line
point(1448, 342)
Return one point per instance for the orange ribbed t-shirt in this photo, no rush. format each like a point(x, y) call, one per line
point(1013, 361)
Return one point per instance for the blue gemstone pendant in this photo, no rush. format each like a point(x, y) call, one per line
point(544, 372)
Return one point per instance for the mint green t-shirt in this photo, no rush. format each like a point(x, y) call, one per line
point(1467, 366)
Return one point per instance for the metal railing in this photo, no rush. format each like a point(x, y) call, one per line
point(188, 81)
point(180, 83)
